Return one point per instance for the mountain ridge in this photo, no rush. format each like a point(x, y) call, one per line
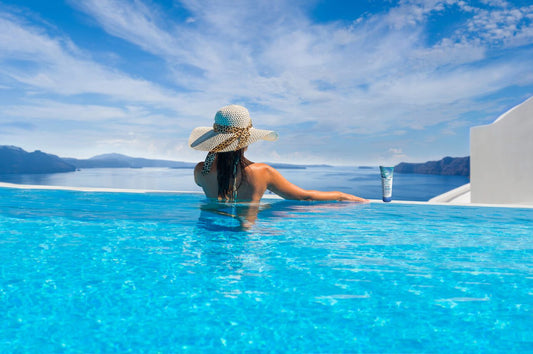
point(15, 160)
point(447, 166)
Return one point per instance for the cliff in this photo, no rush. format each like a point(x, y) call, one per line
point(15, 160)
point(449, 166)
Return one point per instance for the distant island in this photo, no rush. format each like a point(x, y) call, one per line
point(448, 166)
point(14, 160)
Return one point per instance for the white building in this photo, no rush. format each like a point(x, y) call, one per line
point(501, 158)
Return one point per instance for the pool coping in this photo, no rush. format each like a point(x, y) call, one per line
point(266, 196)
point(516, 206)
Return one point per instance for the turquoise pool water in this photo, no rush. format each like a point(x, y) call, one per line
point(109, 272)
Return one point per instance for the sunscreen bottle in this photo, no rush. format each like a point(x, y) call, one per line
point(386, 182)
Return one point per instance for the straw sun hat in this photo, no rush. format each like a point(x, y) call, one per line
point(232, 131)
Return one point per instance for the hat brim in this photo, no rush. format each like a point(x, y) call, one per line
point(206, 139)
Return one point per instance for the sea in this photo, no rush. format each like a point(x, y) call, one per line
point(363, 181)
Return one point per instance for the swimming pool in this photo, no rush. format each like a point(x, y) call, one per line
point(119, 272)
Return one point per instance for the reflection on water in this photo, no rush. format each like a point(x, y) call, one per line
point(229, 216)
point(234, 241)
point(38, 179)
point(220, 216)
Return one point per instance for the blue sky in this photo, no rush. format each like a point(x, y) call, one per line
point(343, 82)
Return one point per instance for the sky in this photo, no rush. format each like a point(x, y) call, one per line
point(362, 82)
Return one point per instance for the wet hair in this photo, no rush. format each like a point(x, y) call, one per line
point(228, 166)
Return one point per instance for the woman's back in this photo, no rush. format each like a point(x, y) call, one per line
point(249, 189)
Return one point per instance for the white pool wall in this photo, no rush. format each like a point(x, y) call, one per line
point(501, 158)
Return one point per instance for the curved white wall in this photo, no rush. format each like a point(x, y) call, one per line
point(501, 158)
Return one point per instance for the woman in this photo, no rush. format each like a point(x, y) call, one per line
point(227, 175)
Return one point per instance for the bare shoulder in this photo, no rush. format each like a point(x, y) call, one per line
point(198, 173)
point(258, 166)
point(262, 169)
point(199, 167)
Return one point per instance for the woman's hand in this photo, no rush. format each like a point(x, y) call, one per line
point(345, 197)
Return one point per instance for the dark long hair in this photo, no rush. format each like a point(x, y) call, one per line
point(228, 166)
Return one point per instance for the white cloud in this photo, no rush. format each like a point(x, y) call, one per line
point(134, 22)
point(507, 25)
point(383, 53)
point(395, 151)
point(46, 109)
point(56, 65)
point(374, 76)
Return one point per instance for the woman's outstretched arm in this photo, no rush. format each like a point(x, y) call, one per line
point(277, 184)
